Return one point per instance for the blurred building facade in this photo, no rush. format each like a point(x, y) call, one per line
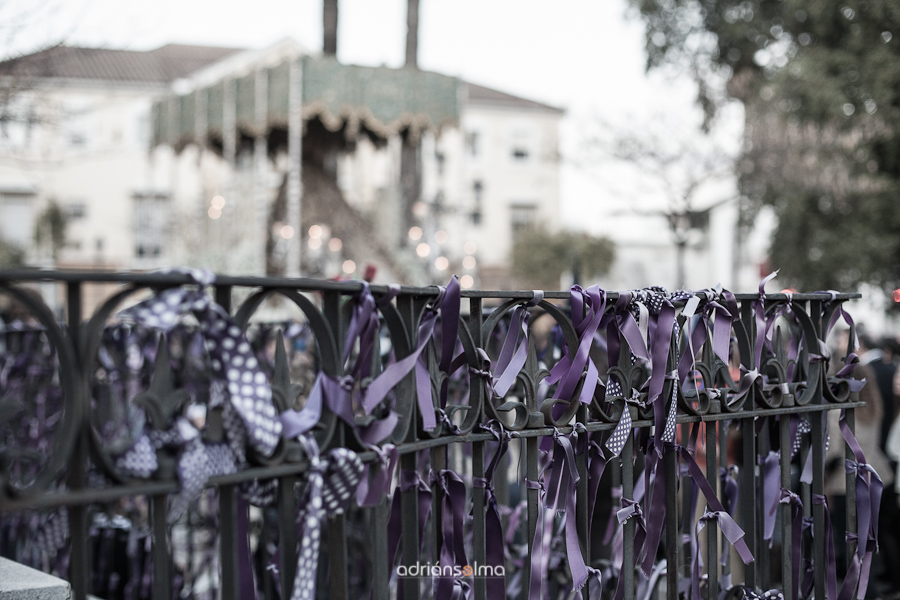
point(75, 130)
point(187, 155)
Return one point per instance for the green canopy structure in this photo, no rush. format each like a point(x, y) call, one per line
point(382, 100)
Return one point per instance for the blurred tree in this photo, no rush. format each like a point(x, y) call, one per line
point(676, 171)
point(544, 256)
point(50, 229)
point(11, 256)
point(820, 84)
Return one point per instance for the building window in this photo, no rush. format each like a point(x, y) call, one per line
point(473, 144)
point(76, 210)
point(151, 220)
point(477, 189)
point(522, 147)
point(523, 218)
point(17, 217)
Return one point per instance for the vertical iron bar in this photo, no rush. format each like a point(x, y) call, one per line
point(380, 569)
point(712, 533)
point(479, 533)
point(287, 532)
point(748, 498)
point(534, 507)
point(162, 567)
point(628, 527)
point(850, 524)
point(337, 557)
point(80, 563)
point(673, 549)
point(688, 507)
point(438, 463)
point(337, 523)
point(806, 498)
point(765, 569)
point(479, 499)
point(581, 503)
point(223, 297)
point(818, 450)
point(228, 542)
point(786, 509)
point(723, 467)
point(409, 499)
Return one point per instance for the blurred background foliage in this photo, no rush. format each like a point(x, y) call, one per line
point(545, 257)
point(820, 86)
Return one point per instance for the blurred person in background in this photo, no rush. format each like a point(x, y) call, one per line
point(868, 432)
point(878, 355)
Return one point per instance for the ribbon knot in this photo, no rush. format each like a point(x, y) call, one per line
point(631, 509)
point(331, 484)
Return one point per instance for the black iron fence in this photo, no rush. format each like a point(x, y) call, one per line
point(199, 436)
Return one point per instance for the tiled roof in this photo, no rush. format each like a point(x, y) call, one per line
point(477, 94)
point(174, 61)
point(161, 65)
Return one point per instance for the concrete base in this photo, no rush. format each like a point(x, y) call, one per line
point(18, 582)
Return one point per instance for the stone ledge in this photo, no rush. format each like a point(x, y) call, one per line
point(18, 582)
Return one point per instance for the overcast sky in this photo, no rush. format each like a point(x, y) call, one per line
point(582, 55)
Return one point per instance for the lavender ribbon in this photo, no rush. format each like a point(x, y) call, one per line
point(560, 494)
point(869, 488)
point(732, 532)
point(375, 487)
point(408, 480)
point(453, 550)
point(792, 499)
point(569, 369)
point(495, 586)
point(830, 567)
point(336, 393)
point(447, 305)
point(515, 347)
point(771, 481)
point(730, 529)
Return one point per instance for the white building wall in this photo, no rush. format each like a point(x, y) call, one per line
point(88, 152)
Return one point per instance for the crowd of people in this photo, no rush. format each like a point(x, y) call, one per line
point(878, 432)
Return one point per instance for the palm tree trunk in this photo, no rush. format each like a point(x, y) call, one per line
point(412, 33)
point(329, 23)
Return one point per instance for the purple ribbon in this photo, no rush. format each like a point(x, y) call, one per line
point(515, 347)
point(409, 480)
point(377, 485)
point(792, 499)
point(830, 567)
point(447, 305)
point(732, 532)
point(495, 586)
point(453, 550)
point(869, 488)
point(771, 484)
point(588, 313)
point(730, 529)
point(560, 494)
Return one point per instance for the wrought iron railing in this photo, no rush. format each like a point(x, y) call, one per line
point(416, 441)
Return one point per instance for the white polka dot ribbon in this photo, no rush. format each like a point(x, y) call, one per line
point(230, 355)
point(331, 483)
